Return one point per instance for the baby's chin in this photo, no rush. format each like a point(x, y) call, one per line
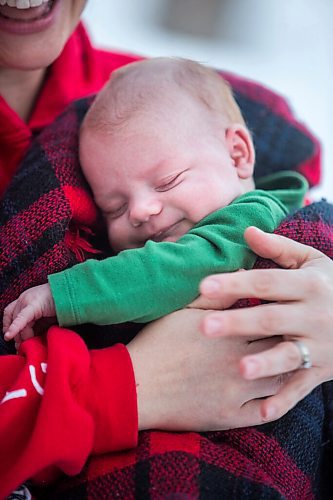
point(176, 232)
point(171, 239)
point(140, 244)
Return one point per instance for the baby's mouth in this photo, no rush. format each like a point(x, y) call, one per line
point(25, 10)
point(165, 233)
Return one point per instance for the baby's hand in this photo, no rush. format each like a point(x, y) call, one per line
point(21, 315)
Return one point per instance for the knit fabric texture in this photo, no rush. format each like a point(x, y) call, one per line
point(49, 222)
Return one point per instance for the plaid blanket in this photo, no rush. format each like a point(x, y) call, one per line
point(288, 459)
point(49, 222)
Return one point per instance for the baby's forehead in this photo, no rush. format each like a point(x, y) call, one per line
point(166, 109)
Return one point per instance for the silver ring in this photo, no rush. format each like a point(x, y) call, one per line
point(304, 352)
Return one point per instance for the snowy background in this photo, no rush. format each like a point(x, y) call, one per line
point(284, 44)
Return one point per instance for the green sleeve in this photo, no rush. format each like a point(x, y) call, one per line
point(289, 187)
point(146, 283)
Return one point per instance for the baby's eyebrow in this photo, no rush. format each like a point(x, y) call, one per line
point(168, 169)
point(167, 165)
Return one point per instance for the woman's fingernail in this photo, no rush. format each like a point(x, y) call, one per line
point(250, 368)
point(270, 413)
point(210, 286)
point(212, 326)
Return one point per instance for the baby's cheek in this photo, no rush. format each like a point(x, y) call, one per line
point(123, 238)
point(115, 235)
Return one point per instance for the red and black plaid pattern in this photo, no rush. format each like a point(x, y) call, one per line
point(44, 211)
point(288, 459)
point(47, 216)
point(281, 141)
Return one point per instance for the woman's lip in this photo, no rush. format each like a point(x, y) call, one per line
point(28, 21)
point(23, 14)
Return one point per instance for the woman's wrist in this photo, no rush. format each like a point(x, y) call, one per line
point(146, 373)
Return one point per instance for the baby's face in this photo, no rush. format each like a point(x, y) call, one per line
point(157, 178)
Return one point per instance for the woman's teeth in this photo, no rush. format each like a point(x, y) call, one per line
point(23, 4)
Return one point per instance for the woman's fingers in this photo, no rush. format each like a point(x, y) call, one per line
point(260, 321)
point(282, 358)
point(288, 356)
point(286, 252)
point(292, 293)
point(299, 385)
point(266, 284)
point(307, 274)
point(251, 413)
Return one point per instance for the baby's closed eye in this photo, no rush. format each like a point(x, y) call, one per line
point(116, 211)
point(170, 182)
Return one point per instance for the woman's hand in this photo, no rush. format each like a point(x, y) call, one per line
point(302, 309)
point(186, 382)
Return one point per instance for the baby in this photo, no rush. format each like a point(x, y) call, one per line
point(170, 161)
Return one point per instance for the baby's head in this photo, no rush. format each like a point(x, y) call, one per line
point(163, 145)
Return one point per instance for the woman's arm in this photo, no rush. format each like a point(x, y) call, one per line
point(60, 403)
point(301, 308)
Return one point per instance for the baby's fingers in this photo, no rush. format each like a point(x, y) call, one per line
point(22, 319)
point(8, 316)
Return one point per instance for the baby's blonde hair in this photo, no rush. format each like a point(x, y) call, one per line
point(132, 87)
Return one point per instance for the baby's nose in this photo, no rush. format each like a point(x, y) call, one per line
point(141, 211)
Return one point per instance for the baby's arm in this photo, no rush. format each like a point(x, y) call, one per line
point(21, 315)
point(146, 283)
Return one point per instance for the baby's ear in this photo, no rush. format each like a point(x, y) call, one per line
point(241, 149)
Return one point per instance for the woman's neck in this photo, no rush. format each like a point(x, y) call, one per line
point(20, 89)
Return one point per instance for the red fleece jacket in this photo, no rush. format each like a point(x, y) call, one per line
point(59, 403)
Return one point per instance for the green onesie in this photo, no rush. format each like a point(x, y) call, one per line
point(146, 283)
